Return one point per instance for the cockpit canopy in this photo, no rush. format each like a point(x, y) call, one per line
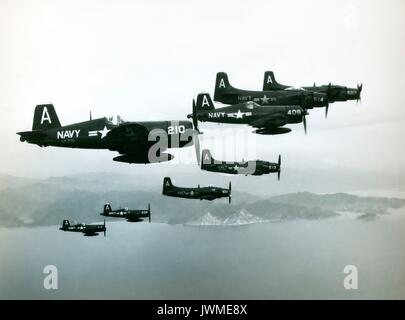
point(118, 120)
point(251, 105)
point(296, 88)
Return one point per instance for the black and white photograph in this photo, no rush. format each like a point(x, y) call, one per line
point(202, 150)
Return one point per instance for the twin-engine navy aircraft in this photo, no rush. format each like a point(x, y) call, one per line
point(203, 193)
point(334, 92)
point(252, 167)
point(266, 119)
point(87, 229)
point(136, 142)
point(130, 215)
point(227, 94)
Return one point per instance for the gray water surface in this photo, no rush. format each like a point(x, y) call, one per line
point(298, 259)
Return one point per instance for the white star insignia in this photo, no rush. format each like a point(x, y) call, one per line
point(104, 132)
point(265, 100)
point(236, 167)
point(239, 115)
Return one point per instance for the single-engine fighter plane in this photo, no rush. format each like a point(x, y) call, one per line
point(203, 193)
point(130, 215)
point(227, 94)
point(87, 229)
point(136, 142)
point(333, 92)
point(267, 119)
point(252, 167)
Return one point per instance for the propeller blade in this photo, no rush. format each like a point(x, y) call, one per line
point(329, 88)
point(196, 140)
point(304, 120)
point(326, 110)
point(195, 117)
point(149, 212)
point(279, 167)
point(359, 88)
point(104, 228)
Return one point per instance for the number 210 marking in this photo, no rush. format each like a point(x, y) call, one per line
point(176, 129)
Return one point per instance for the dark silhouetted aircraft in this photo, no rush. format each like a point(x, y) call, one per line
point(267, 119)
point(203, 193)
point(333, 92)
point(87, 229)
point(227, 94)
point(252, 167)
point(130, 215)
point(136, 142)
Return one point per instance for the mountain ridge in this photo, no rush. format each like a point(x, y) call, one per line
point(49, 201)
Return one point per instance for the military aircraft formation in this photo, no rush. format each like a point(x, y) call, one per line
point(268, 111)
point(94, 229)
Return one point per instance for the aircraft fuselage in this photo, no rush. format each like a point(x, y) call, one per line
point(202, 193)
point(247, 113)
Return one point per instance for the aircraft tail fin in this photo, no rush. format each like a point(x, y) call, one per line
point(204, 102)
point(107, 208)
point(45, 117)
point(221, 85)
point(206, 157)
point(65, 224)
point(270, 83)
point(167, 185)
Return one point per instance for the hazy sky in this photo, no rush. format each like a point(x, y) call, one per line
point(146, 60)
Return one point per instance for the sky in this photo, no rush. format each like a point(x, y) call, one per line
point(147, 60)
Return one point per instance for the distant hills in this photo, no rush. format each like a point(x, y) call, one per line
point(149, 178)
point(30, 202)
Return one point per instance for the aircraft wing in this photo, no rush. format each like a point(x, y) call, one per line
point(131, 141)
point(129, 138)
point(271, 121)
point(89, 231)
point(128, 132)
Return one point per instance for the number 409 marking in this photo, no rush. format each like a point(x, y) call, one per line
point(294, 112)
